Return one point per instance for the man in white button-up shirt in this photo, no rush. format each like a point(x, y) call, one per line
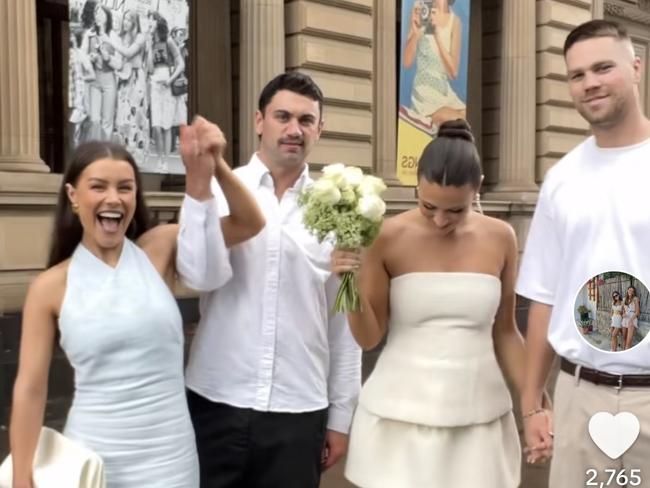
point(591, 218)
point(273, 375)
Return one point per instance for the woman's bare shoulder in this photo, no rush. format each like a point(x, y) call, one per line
point(158, 235)
point(159, 244)
point(495, 227)
point(49, 285)
point(396, 224)
point(456, 20)
point(54, 275)
point(395, 230)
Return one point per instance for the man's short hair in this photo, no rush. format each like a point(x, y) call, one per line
point(593, 29)
point(295, 82)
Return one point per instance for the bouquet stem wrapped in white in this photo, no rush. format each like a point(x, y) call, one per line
point(344, 205)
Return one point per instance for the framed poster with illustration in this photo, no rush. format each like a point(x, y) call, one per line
point(433, 75)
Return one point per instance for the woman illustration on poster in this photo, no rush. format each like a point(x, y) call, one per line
point(102, 90)
point(434, 44)
point(131, 119)
point(165, 65)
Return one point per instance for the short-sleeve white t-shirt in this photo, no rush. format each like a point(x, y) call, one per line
point(592, 216)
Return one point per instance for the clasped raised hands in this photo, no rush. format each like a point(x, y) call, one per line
point(202, 145)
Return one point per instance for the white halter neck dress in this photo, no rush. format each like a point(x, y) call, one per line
point(436, 411)
point(122, 332)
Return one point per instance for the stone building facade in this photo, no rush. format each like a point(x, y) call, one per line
point(518, 105)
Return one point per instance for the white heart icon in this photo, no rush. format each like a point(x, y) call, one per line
point(614, 434)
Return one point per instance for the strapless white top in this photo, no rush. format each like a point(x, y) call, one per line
point(439, 367)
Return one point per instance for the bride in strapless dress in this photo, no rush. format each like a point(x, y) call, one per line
point(436, 410)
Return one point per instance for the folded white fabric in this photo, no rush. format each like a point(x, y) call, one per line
point(60, 463)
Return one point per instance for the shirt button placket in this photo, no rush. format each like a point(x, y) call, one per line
point(269, 315)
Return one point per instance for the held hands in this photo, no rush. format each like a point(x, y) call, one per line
point(201, 145)
point(336, 445)
point(538, 435)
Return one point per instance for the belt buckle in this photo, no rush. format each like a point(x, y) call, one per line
point(620, 383)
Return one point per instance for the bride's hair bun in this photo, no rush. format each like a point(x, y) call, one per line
point(456, 129)
point(451, 158)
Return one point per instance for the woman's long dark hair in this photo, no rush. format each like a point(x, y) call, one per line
point(109, 20)
point(132, 14)
point(88, 14)
point(629, 300)
point(68, 231)
point(162, 29)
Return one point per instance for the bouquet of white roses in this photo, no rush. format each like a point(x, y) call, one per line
point(344, 205)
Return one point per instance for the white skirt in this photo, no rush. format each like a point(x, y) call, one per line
point(388, 453)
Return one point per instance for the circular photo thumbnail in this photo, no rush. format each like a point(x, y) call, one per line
point(612, 311)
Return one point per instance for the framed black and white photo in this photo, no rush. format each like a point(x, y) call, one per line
point(128, 77)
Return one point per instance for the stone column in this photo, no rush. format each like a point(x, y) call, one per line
point(518, 107)
point(385, 75)
point(19, 130)
point(261, 58)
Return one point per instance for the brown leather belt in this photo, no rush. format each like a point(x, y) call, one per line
point(602, 378)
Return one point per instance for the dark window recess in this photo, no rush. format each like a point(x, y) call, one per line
point(53, 44)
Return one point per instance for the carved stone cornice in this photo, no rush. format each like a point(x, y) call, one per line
point(637, 13)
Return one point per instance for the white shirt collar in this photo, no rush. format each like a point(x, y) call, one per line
point(262, 176)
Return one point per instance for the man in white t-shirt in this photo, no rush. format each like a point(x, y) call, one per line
point(591, 218)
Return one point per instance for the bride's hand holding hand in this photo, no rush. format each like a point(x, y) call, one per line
point(538, 435)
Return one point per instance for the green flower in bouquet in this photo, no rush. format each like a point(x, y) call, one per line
point(344, 205)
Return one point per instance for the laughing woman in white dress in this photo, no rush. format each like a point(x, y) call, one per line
point(436, 411)
point(107, 295)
